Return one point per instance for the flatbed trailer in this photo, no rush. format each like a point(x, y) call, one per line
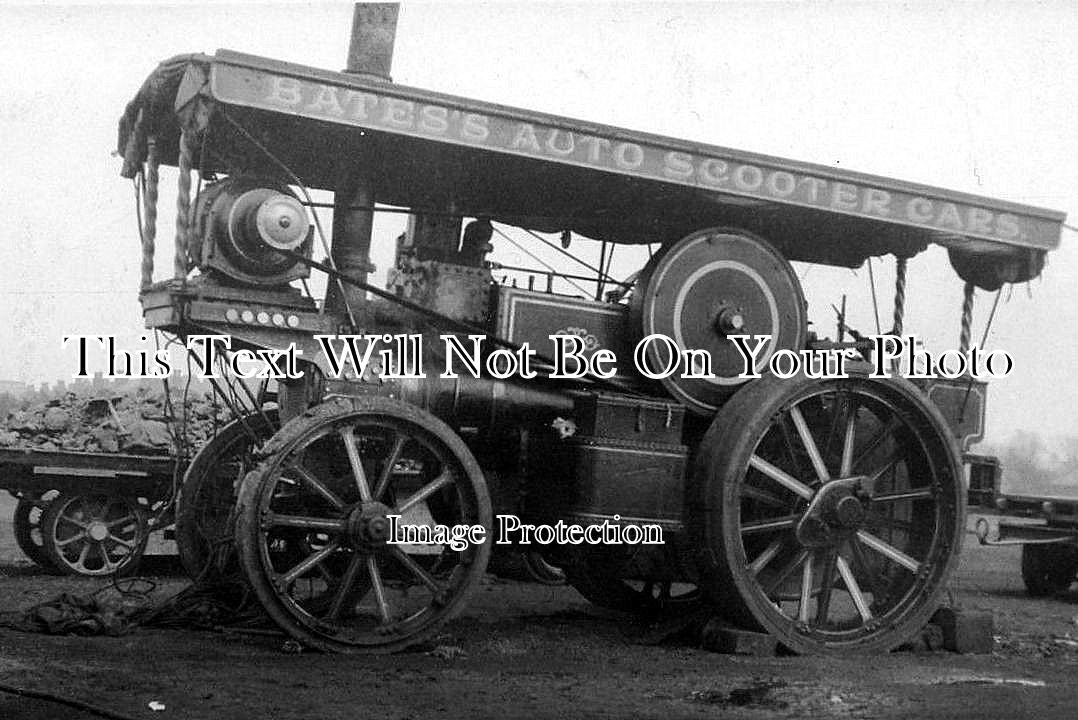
point(86, 513)
point(1044, 524)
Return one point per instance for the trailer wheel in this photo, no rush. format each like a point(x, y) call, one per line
point(26, 523)
point(830, 512)
point(313, 525)
point(1048, 569)
point(207, 497)
point(94, 534)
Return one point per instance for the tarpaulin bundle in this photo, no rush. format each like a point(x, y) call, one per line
point(90, 614)
point(115, 611)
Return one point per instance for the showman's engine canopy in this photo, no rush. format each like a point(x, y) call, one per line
point(828, 512)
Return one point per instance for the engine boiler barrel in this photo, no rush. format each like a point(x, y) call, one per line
point(484, 403)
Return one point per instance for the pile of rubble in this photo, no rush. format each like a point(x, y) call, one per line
point(130, 421)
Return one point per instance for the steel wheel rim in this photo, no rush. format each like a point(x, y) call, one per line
point(341, 561)
point(95, 534)
point(208, 495)
point(882, 571)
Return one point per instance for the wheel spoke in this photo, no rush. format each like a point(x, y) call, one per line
point(387, 470)
point(861, 562)
point(347, 581)
point(920, 494)
point(788, 441)
point(810, 444)
point(125, 519)
point(68, 541)
point(379, 589)
point(766, 556)
point(785, 572)
point(781, 477)
point(866, 451)
point(317, 485)
point(848, 440)
point(424, 577)
point(759, 526)
point(73, 521)
point(443, 480)
point(755, 493)
point(121, 541)
point(109, 564)
point(806, 590)
point(827, 582)
point(305, 523)
point(306, 564)
point(354, 460)
point(83, 555)
point(888, 551)
point(875, 476)
point(853, 588)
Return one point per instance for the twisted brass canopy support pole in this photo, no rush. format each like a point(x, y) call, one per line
point(183, 206)
point(149, 200)
point(900, 295)
point(967, 318)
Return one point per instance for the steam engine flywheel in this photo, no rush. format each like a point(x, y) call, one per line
point(706, 287)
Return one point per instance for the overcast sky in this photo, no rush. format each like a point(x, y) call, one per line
point(978, 97)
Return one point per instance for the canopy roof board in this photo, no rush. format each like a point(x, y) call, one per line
point(430, 150)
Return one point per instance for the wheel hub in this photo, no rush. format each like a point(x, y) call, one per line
point(97, 531)
point(368, 525)
point(836, 511)
point(730, 320)
point(848, 512)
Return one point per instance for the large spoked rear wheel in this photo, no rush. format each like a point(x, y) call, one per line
point(313, 524)
point(832, 511)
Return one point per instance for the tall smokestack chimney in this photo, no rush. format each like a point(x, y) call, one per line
point(370, 56)
point(374, 28)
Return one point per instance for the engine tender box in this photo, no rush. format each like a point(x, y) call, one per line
point(628, 460)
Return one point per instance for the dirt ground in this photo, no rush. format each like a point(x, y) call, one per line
point(534, 651)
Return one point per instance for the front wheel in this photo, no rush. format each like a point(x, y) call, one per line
point(830, 512)
point(207, 497)
point(314, 521)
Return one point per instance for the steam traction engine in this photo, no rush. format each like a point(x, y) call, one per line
point(827, 512)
